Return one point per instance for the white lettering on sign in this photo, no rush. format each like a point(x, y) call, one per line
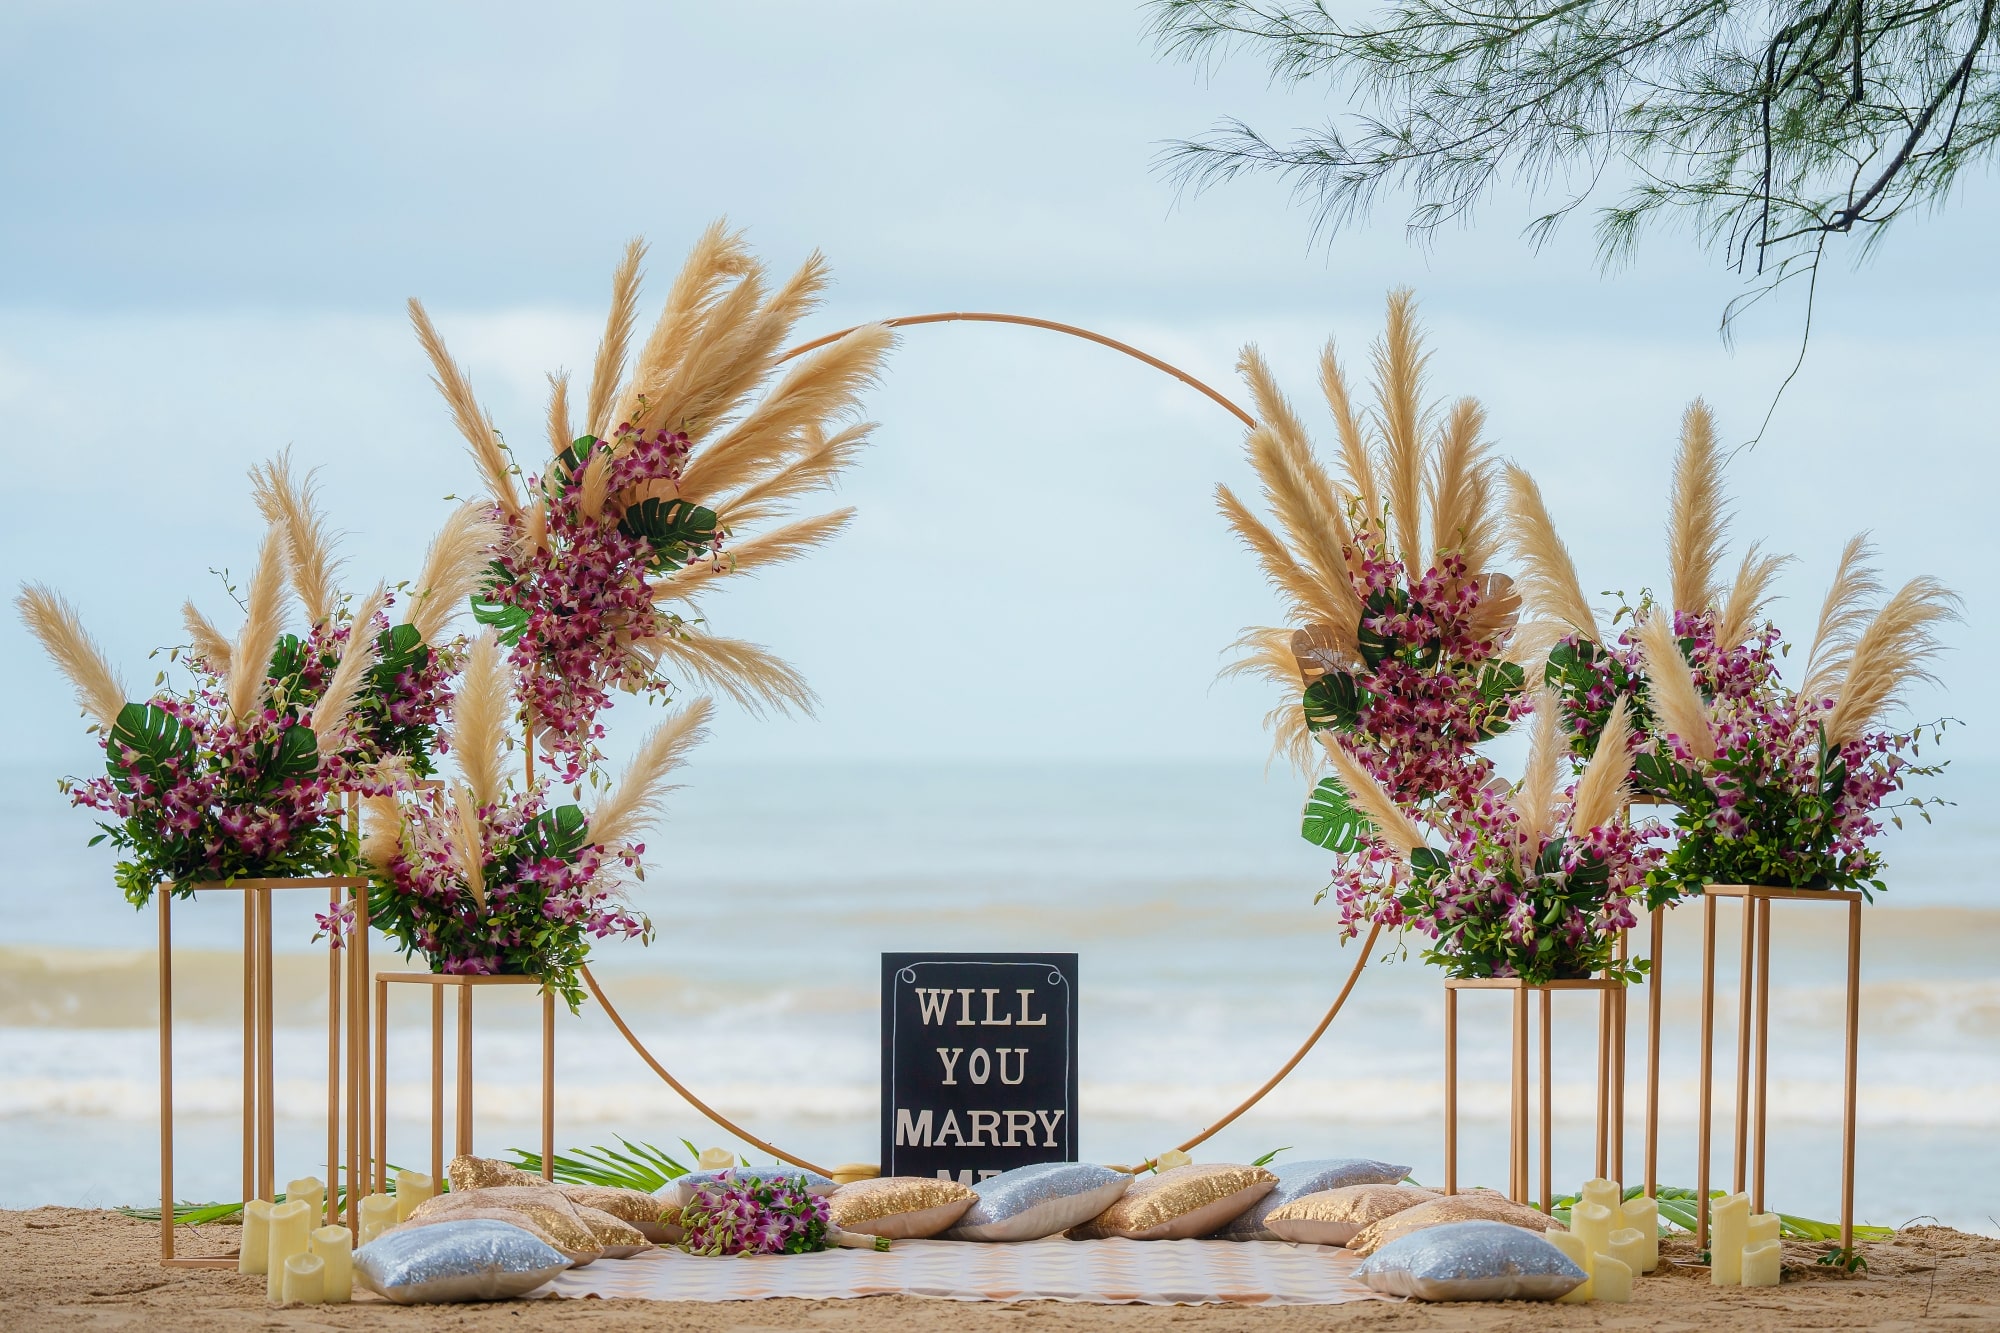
point(913, 1131)
point(1021, 1122)
point(950, 1057)
point(1027, 1022)
point(1020, 1075)
point(991, 1021)
point(984, 1122)
point(965, 1007)
point(950, 1126)
point(980, 1067)
point(1049, 1122)
point(934, 1006)
point(965, 1177)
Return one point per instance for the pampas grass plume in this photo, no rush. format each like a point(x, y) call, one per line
point(1671, 688)
point(1894, 652)
point(1603, 790)
point(329, 716)
point(637, 798)
point(453, 566)
point(1392, 826)
point(479, 719)
point(51, 619)
point(1696, 523)
point(250, 658)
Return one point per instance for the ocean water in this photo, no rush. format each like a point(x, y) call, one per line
point(1203, 963)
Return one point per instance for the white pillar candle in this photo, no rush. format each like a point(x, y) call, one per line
point(1643, 1216)
point(1761, 1227)
point(1762, 1263)
point(1628, 1247)
point(412, 1188)
point(378, 1214)
point(1728, 1226)
point(335, 1248)
point(1610, 1280)
point(1607, 1192)
point(715, 1159)
point(305, 1280)
point(252, 1255)
point(290, 1225)
point(1592, 1221)
point(1573, 1249)
point(310, 1192)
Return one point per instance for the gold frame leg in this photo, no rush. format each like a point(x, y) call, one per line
point(1450, 1091)
point(1705, 1123)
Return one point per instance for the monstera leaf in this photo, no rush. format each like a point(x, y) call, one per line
point(1498, 680)
point(559, 833)
point(296, 757)
point(147, 737)
point(510, 618)
point(1334, 700)
point(288, 659)
point(673, 528)
point(1331, 821)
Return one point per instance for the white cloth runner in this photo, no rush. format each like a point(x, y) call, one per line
point(1100, 1272)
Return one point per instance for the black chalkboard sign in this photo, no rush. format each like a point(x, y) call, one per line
point(978, 1062)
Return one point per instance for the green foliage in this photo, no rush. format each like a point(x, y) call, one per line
point(1331, 821)
point(1334, 700)
point(1764, 129)
point(1270, 1156)
point(635, 1166)
point(509, 618)
point(675, 529)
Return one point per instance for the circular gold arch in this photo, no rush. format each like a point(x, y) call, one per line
point(1367, 947)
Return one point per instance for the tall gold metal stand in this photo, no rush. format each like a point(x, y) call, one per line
point(462, 1101)
point(1610, 1057)
point(259, 1083)
point(1753, 1028)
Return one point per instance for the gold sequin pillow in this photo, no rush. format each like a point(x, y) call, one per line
point(618, 1238)
point(1180, 1202)
point(547, 1208)
point(1478, 1206)
point(656, 1219)
point(467, 1172)
point(900, 1207)
point(1336, 1216)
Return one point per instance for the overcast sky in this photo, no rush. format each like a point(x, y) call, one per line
point(211, 214)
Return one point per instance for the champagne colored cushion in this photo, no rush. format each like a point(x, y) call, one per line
point(549, 1209)
point(1471, 1261)
point(1184, 1201)
point(618, 1238)
point(1478, 1206)
point(1335, 1217)
point(655, 1218)
point(1310, 1176)
point(471, 1259)
point(1031, 1202)
point(685, 1186)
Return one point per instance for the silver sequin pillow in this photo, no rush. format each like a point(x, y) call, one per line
point(1471, 1261)
point(1298, 1179)
point(685, 1186)
point(473, 1260)
point(1031, 1202)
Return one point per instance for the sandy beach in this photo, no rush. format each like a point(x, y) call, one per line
point(76, 1268)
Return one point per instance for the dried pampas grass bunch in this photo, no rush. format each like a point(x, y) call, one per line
point(1410, 498)
point(696, 446)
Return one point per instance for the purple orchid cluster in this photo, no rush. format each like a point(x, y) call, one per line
point(197, 795)
point(1500, 899)
point(744, 1215)
point(573, 599)
point(541, 892)
point(394, 730)
point(1432, 682)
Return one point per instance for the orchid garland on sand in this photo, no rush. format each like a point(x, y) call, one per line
point(480, 878)
point(1534, 883)
point(1404, 640)
point(650, 504)
point(749, 1215)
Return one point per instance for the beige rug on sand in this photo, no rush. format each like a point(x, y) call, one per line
point(1099, 1272)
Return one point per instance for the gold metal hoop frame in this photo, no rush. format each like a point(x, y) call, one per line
point(1228, 405)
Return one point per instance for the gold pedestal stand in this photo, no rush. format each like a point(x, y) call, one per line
point(1610, 1061)
point(259, 1084)
point(462, 1101)
point(1753, 1026)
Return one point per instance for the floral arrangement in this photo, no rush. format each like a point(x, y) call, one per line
point(1535, 883)
point(480, 878)
point(1404, 634)
point(1772, 785)
point(227, 779)
point(755, 1215)
point(649, 505)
